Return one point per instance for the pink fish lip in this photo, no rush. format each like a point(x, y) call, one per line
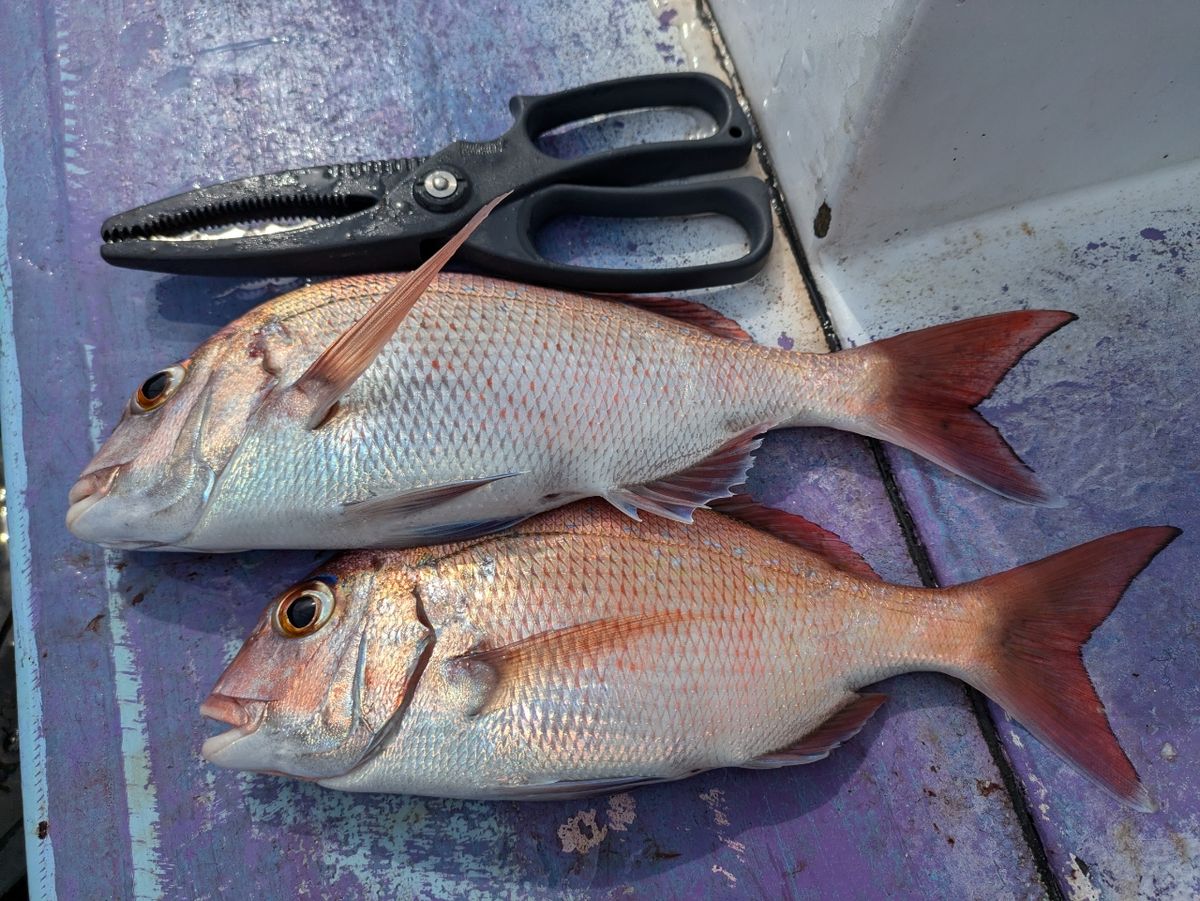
point(226, 709)
point(243, 714)
point(91, 487)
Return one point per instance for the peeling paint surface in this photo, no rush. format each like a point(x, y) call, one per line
point(107, 107)
point(1104, 412)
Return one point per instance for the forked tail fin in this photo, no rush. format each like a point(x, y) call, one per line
point(1046, 611)
point(934, 379)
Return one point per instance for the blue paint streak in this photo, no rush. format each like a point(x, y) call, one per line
point(141, 796)
point(39, 852)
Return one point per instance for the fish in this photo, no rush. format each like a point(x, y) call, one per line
point(404, 410)
point(583, 652)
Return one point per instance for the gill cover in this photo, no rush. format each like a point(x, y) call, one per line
point(324, 697)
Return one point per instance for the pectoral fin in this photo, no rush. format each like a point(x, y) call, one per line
point(389, 513)
point(506, 668)
point(688, 312)
point(339, 366)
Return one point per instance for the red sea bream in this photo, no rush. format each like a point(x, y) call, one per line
point(584, 652)
point(491, 401)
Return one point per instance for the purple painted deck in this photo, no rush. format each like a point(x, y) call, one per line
point(105, 108)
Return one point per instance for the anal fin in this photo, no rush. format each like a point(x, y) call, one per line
point(676, 496)
point(843, 725)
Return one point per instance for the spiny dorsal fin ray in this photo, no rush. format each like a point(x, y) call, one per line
point(688, 312)
point(796, 530)
point(339, 366)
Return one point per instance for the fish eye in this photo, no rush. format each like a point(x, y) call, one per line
point(304, 609)
point(153, 392)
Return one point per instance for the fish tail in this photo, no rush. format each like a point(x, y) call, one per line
point(924, 386)
point(1031, 663)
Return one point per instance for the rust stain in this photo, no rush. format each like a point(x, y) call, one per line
point(94, 624)
point(1181, 846)
point(137, 599)
point(1027, 229)
point(986, 787)
point(43, 829)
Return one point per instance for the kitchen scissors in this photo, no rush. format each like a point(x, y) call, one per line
point(384, 215)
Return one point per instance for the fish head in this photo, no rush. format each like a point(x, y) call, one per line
point(326, 674)
point(149, 484)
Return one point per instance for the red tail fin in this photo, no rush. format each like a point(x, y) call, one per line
point(1047, 611)
point(937, 376)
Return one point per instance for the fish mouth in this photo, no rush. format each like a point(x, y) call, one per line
point(91, 488)
point(243, 714)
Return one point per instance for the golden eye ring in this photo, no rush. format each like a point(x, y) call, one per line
point(156, 390)
point(304, 609)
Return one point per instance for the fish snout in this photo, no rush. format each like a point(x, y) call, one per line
point(90, 488)
point(237, 712)
point(229, 748)
point(98, 481)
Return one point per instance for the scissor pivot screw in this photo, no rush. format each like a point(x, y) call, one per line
point(440, 184)
point(442, 189)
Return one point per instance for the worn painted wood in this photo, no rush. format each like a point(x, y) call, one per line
point(1105, 410)
point(108, 106)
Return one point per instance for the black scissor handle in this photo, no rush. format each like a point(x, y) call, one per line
point(727, 148)
point(505, 245)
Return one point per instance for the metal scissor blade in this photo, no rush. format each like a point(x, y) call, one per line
point(322, 216)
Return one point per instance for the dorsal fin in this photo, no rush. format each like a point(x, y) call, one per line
point(845, 722)
point(796, 530)
point(688, 312)
point(504, 668)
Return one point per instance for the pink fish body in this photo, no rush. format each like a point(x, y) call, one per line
point(584, 652)
point(492, 402)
